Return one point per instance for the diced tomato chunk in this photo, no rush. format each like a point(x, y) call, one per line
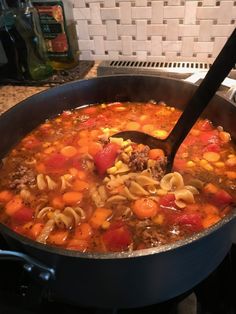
point(31, 142)
point(105, 158)
point(91, 122)
point(222, 198)
point(191, 221)
point(205, 125)
point(209, 137)
point(212, 148)
point(168, 201)
point(190, 140)
point(23, 215)
point(117, 237)
point(55, 162)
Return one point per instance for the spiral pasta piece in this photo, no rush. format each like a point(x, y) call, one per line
point(172, 181)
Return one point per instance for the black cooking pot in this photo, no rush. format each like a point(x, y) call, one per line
point(118, 280)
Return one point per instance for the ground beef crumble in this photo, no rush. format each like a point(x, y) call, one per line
point(139, 159)
point(21, 177)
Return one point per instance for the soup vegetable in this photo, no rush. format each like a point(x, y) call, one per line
point(69, 183)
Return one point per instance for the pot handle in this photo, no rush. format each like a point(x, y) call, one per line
point(31, 265)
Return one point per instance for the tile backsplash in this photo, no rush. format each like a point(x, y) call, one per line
point(173, 30)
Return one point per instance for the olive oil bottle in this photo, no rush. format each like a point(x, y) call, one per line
point(58, 28)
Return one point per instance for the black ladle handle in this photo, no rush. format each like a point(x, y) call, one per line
point(222, 65)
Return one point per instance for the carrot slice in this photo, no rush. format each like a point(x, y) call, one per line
point(94, 148)
point(210, 220)
point(36, 230)
point(99, 216)
point(83, 231)
point(58, 202)
point(5, 196)
point(145, 208)
point(14, 205)
point(71, 198)
point(69, 151)
point(156, 154)
point(58, 237)
point(80, 185)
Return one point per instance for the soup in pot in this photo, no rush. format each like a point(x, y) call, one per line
point(70, 184)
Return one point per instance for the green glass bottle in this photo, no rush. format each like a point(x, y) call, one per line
point(38, 68)
point(13, 45)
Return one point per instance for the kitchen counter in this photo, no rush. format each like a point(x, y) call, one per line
point(12, 94)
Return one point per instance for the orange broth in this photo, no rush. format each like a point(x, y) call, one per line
point(69, 184)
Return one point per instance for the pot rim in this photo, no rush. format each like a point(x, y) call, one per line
point(115, 255)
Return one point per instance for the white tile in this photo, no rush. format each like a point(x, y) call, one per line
point(125, 12)
point(202, 57)
point(141, 55)
point(114, 45)
point(225, 12)
point(157, 12)
point(205, 31)
point(97, 30)
point(170, 56)
point(111, 30)
point(85, 55)
point(99, 45)
point(218, 45)
point(156, 45)
point(209, 2)
point(141, 45)
point(141, 30)
point(81, 13)
point(110, 13)
point(156, 30)
point(79, 3)
point(156, 58)
point(86, 45)
point(141, 3)
point(109, 3)
point(174, 46)
point(174, 12)
point(187, 47)
point(204, 13)
point(189, 30)
point(174, 2)
point(200, 47)
point(95, 13)
point(172, 32)
point(190, 12)
point(222, 30)
point(82, 29)
point(141, 12)
point(129, 30)
point(113, 55)
point(127, 47)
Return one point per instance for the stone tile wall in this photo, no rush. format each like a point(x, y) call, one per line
point(172, 30)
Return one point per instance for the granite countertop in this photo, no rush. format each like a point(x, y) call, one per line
point(12, 94)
